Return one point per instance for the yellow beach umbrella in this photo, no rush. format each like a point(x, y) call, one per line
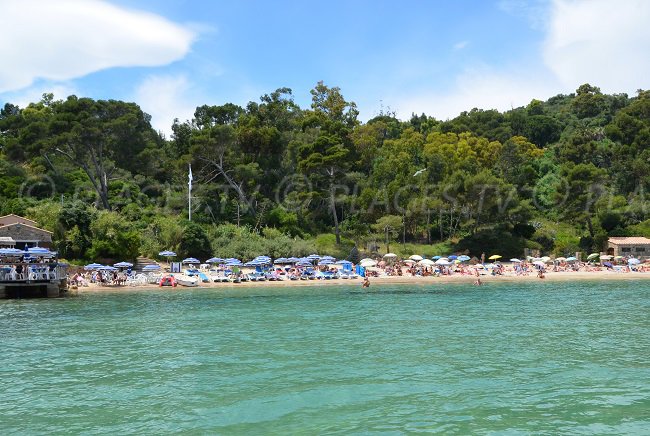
point(494, 257)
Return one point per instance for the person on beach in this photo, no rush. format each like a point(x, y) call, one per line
point(478, 282)
point(366, 283)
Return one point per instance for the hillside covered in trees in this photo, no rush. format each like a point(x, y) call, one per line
point(274, 178)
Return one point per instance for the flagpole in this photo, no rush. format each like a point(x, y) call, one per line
point(189, 195)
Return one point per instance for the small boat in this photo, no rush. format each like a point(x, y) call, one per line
point(167, 281)
point(185, 280)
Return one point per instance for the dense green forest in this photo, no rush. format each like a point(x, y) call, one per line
point(274, 178)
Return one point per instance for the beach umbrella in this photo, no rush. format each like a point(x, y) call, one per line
point(494, 257)
point(214, 260)
point(328, 258)
point(303, 263)
point(514, 259)
point(151, 268)
point(605, 257)
point(427, 262)
point(443, 261)
point(191, 260)
point(390, 255)
point(464, 258)
point(452, 257)
point(343, 262)
point(593, 256)
point(436, 257)
point(325, 262)
point(367, 262)
point(608, 264)
point(293, 260)
point(409, 261)
point(11, 252)
point(252, 263)
point(92, 266)
point(561, 259)
point(313, 257)
point(571, 259)
point(123, 265)
point(167, 253)
point(415, 257)
point(618, 257)
point(107, 268)
point(539, 263)
point(281, 260)
point(234, 262)
point(634, 261)
point(40, 251)
point(545, 259)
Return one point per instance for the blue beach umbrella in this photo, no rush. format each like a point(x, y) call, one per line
point(107, 268)
point(293, 259)
point(11, 252)
point(344, 262)
point(123, 265)
point(313, 257)
point(191, 260)
point(92, 266)
point(167, 253)
point(40, 251)
point(151, 268)
point(452, 257)
point(325, 262)
point(464, 258)
point(214, 260)
point(436, 257)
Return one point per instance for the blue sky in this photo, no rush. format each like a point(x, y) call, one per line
point(436, 57)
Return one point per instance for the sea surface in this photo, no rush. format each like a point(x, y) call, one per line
point(537, 358)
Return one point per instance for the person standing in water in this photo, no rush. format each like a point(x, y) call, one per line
point(366, 283)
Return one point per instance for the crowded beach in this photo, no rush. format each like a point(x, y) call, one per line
point(316, 269)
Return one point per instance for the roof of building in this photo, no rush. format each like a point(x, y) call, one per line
point(13, 215)
point(629, 240)
point(28, 226)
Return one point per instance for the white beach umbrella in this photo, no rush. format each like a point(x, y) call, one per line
point(514, 259)
point(427, 262)
point(561, 259)
point(367, 263)
point(416, 257)
point(606, 257)
point(443, 261)
point(390, 255)
point(545, 259)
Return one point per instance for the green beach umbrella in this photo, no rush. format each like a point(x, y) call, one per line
point(593, 256)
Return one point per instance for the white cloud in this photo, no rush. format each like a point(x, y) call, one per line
point(460, 45)
point(34, 94)
point(64, 39)
point(586, 41)
point(482, 88)
point(166, 98)
point(600, 42)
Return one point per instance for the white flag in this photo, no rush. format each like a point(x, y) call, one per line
point(190, 177)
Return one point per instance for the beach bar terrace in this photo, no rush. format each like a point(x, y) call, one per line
point(629, 246)
point(34, 272)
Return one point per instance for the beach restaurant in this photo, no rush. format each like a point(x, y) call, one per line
point(19, 232)
point(632, 246)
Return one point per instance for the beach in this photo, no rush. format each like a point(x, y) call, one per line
point(486, 279)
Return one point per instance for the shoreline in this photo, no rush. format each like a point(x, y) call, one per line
point(381, 281)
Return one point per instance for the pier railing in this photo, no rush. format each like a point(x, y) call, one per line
point(11, 272)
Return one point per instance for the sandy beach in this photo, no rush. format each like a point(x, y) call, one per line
point(388, 280)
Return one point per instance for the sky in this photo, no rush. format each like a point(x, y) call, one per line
point(409, 56)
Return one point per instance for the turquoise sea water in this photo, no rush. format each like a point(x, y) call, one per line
point(538, 358)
